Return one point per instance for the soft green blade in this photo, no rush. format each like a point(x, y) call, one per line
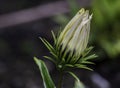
point(48, 45)
point(78, 83)
point(90, 57)
point(54, 37)
point(82, 66)
point(48, 83)
point(74, 7)
point(50, 58)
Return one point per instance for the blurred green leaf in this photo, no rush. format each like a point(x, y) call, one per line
point(82, 66)
point(47, 44)
point(49, 58)
point(48, 83)
point(78, 83)
point(74, 7)
point(61, 19)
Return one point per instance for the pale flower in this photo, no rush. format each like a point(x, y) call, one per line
point(75, 35)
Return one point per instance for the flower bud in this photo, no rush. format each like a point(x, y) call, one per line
point(75, 35)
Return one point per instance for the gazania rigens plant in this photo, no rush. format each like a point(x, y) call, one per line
point(70, 46)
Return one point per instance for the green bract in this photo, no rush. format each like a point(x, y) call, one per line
point(69, 49)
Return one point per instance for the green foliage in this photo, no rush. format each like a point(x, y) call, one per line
point(73, 6)
point(48, 83)
point(78, 83)
point(64, 60)
point(105, 26)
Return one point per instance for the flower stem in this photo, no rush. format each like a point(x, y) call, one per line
point(60, 79)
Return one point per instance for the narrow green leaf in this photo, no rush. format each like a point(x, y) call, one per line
point(74, 76)
point(83, 66)
point(78, 83)
point(48, 45)
point(49, 58)
point(54, 37)
point(90, 57)
point(87, 50)
point(87, 62)
point(48, 83)
point(55, 56)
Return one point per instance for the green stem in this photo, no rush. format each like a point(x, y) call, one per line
point(60, 79)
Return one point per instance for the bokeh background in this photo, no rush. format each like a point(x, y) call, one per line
point(22, 22)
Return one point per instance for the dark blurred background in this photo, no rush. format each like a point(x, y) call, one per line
point(22, 22)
